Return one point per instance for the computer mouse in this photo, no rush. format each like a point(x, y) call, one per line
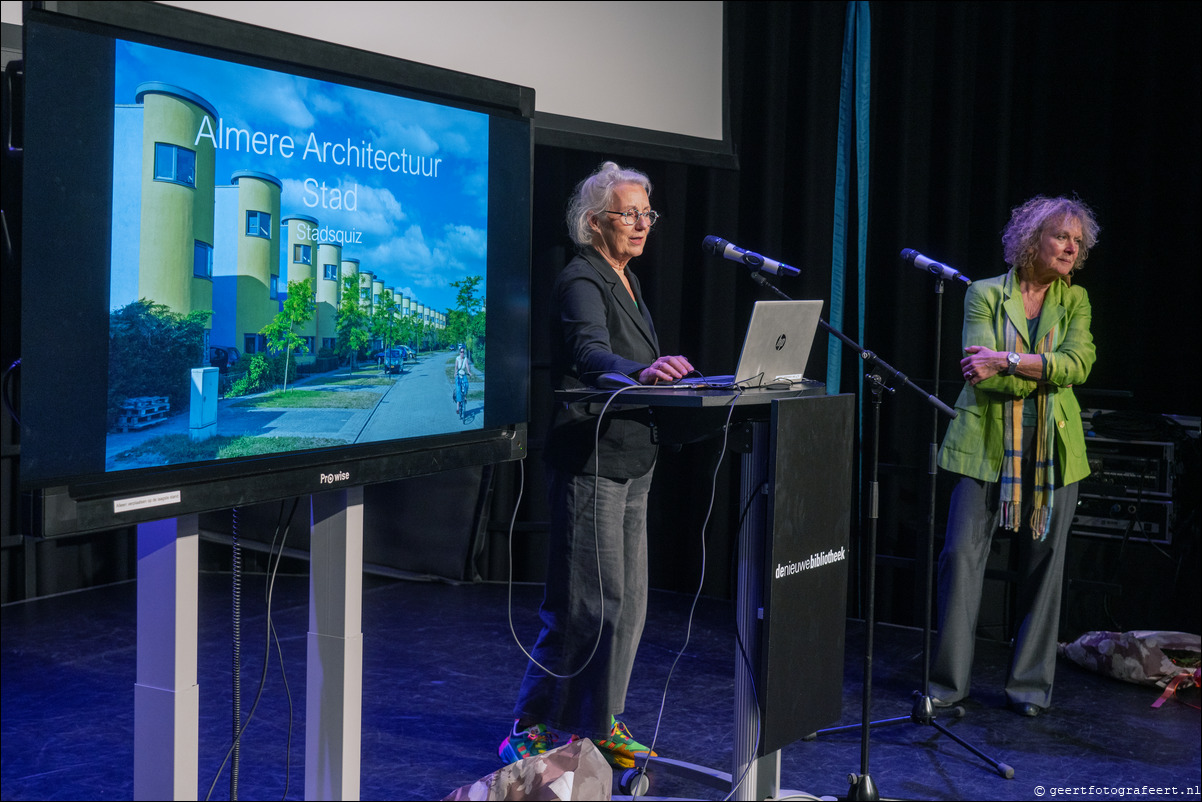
point(613, 381)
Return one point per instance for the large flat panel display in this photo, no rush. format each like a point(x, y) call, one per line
point(241, 269)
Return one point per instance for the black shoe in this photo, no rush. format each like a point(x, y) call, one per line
point(1026, 709)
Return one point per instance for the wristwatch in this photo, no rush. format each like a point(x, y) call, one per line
point(1011, 363)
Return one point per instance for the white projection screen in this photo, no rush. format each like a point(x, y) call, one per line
point(647, 76)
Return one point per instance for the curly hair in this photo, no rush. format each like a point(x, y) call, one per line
point(1028, 222)
point(594, 194)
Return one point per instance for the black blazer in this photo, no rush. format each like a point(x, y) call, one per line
point(597, 328)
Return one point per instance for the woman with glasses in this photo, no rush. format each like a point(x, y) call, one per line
point(1017, 445)
point(595, 599)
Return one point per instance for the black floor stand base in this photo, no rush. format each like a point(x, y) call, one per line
point(925, 713)
point(862, 788)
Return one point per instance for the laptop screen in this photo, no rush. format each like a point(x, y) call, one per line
point(777, 345)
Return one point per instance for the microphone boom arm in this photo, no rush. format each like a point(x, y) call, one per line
point(869, 357)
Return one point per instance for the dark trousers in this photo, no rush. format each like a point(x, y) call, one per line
point(972, 521)
point(594, 604)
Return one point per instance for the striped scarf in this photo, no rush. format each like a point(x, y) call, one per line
point(1045, 432)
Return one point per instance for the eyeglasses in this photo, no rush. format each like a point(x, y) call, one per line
point(630, 216)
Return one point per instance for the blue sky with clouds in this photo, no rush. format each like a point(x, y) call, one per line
point(419, 233)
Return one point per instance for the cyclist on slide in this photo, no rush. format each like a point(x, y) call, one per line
point(463, 369)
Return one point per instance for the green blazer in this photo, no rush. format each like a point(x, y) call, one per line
point(973, 443)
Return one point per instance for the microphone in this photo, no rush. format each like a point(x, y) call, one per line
point(720, 247)
point(943, 271)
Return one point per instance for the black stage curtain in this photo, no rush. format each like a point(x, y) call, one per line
point(976, 106)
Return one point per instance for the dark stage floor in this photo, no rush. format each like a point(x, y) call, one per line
point(441, 669)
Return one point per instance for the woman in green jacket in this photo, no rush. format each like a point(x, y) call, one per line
point(1018, 444)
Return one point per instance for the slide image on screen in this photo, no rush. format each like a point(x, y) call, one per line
point(295, 263)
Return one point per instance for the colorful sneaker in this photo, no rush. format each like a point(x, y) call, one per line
point(535, 740)
point(620, 748)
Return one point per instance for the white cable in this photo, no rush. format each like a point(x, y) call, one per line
point(700, 585)
point(596, 548)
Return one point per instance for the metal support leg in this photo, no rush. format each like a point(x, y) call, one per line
point(334, 685)
point(762, 778)
point(166, 694)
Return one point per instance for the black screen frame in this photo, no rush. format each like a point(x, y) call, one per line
point(71, 497)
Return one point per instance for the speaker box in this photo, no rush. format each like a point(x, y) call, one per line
point(1124, 585)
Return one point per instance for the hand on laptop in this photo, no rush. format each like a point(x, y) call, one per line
point(665, 369)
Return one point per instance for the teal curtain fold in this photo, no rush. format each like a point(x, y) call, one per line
point(854, 104)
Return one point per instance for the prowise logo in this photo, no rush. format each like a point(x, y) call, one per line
point(335, 478)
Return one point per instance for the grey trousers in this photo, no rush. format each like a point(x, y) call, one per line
point(594, 604)
point(972, 520)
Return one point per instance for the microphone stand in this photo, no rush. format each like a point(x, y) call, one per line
point(923, 711)
point(862, 787)
point(868, 356)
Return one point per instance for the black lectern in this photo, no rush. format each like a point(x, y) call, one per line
point(791, 599)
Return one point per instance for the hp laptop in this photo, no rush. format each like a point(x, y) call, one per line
point(775, 351)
